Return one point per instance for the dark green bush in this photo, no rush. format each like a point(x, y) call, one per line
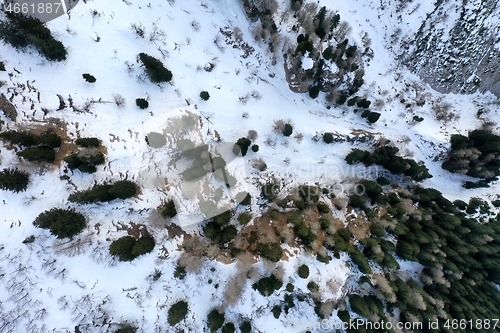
point(168, 209)
point(327, 137)
point(313, 287)
point(314, 92)
point(123, 189)
point(287, 130)
point(373, 117)
point(267, 285)
point(14, 180)
point(276, 311)
point(204, 95)
point(244, 218)
point(24, 139)
point(323, 208)
point(63, 223)
point(215, 320)
point(157, 73)
point(38, 154)
point(324, 223)
point(228, 233)
point(177, 312)
point(142, 103)
point(104, 193)
point(303, 271)
point(241, 146)
point(270, 251)
point(88, 142)
point(85, 161)
point(246, 327)
point(127, 248)
point(268, 192)
point(89, 78)
point(363, 103)
point(290, 287)
point(255, 148)
point(49, 139)
point(126, 329)
point(21, 31)
point(247, 201)
point(180, 272)
point(228, 328)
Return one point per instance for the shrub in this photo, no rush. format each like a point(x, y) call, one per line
point(38, 154)
point(267, 285)
point(157, 73)
point(246, 327)
point(228, 328)
point(85, 161)
point(142, 103)
point(21, 31)
point(328, 137)
point(244, 218)
point(168, 209)
point(290, 287)
point(270, 251)
point(24, 139)
point(314, 92)
point(324, 223)
point(303, 271)
point(88, 142)
point(126, 329)
point(241, 146)
point(363, 103)
point(177, 312)
point(373, 117)
point(123, 189)
point(215, 320)
point(14, 180)
point(255, 148)
point(323, 208)
point(247, 201)
point(268, 191)
point(49, 139)
point(204, 95)
point(122, 247)
point(127, 248)
point(89, 78)
point(63, 223)
point(313, 287)
point(228, 234)
point(180, 272)
point(287, 130)
point(276, 311)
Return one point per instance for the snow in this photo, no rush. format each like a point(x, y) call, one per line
point(183, 35)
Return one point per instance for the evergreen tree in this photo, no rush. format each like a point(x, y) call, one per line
point(14, 180)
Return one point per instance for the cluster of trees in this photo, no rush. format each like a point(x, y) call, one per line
point(219, 231)
point(22, 31)
point(87, 158)
point(476, 155)
point(63, 223)
point(127, 248)
point(122, 189)
point(387, 158)
point(14, 180)
point(37, 148)
point(155, 69)
point(268, 285)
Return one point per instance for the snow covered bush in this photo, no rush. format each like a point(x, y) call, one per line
point(14, 180)
point(142, 103)
point(157, 73)
point(62, 223)
point(177, 312)
point(89, 78)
